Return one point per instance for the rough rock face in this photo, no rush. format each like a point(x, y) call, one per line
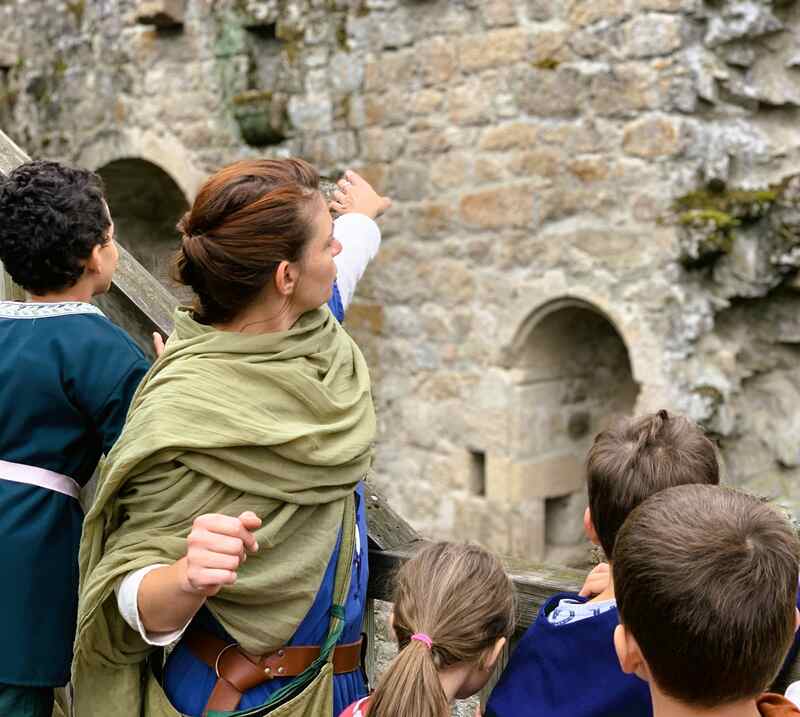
point(595, 212)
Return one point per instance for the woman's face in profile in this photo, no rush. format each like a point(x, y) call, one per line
point(317, 268)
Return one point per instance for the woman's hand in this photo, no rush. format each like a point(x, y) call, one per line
point(355, 194)
point(169, 596)
point(216, 547)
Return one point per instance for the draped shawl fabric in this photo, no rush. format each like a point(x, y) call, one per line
point(279, 423)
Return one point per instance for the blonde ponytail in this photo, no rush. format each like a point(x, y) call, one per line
point(459, 597)
point(410, 686)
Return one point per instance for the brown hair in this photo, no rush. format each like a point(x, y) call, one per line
point(638, 457)
point(247, 218)
point(706, 582)
point(460, 596)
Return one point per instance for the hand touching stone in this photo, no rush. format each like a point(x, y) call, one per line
point(355, 194)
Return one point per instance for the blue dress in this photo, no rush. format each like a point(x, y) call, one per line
point(67, 376)
point(188, 681)
point(335, 303)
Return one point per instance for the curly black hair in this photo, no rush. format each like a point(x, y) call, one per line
point(51, 217)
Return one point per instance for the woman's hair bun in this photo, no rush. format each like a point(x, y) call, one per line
point(247, 219)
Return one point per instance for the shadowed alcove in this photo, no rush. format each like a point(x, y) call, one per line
point(145, 203)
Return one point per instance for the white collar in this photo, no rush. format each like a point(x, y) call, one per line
point(45, 309)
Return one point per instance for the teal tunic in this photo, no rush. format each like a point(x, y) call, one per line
point(67, 376)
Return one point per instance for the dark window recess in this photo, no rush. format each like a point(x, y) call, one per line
point(265, 32)
point(477, 477)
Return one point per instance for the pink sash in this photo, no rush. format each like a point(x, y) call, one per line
point(21, 473)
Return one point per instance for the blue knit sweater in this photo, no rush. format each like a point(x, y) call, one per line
point(571, 670)
point(568, 670)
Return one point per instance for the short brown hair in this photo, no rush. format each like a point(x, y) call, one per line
point(638, 457)
point(247, 218)
point(461, 597)
point(706, 582)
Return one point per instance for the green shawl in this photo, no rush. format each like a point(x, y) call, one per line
point(279, 423)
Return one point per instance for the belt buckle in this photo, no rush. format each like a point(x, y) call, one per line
point(219, 657)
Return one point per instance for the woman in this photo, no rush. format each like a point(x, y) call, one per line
point(250, 434)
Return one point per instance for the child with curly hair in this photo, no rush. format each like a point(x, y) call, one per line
point(67, 376)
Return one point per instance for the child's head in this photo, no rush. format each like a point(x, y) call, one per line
point(706, 583)
point(54, 227)
point(637, 458)
point(460, 598)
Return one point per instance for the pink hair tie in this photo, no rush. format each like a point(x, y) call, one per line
point(422, 637)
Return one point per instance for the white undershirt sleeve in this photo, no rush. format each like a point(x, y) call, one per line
point(127, 591)
point(793, 693)
point(360, 238)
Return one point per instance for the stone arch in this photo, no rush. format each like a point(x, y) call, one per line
point(146, 203)
point(163, 150)
point(569, 373)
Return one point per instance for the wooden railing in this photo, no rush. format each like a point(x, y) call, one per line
point(141, 305)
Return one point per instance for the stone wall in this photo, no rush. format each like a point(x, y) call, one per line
point(593, 210)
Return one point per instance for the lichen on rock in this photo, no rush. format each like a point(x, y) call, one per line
point(709, 217)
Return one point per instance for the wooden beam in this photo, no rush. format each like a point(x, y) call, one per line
point(138, 302)
point(10, 156)
point(534, 582)
point(387, 529)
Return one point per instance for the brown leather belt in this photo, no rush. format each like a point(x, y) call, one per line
point(238, 671)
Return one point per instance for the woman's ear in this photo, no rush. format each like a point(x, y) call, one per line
point(286, 277)
point(588, 527)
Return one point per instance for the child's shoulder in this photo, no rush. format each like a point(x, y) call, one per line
point(357, 709)
point(95, 332)
point(73, 327)
point(555, 641)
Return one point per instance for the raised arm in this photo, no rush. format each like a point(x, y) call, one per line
point(358, 205)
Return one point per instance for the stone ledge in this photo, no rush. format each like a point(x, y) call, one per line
point(514, 481)
point(164, 14)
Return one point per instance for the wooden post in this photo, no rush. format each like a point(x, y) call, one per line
point(9, 291)
point(10, 157)
point(370, 659)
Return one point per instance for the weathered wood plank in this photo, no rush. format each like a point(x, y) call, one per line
point(387, 529)
point(370, 630)
point(534, 582)
point(138, 302)
point(10, 156)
